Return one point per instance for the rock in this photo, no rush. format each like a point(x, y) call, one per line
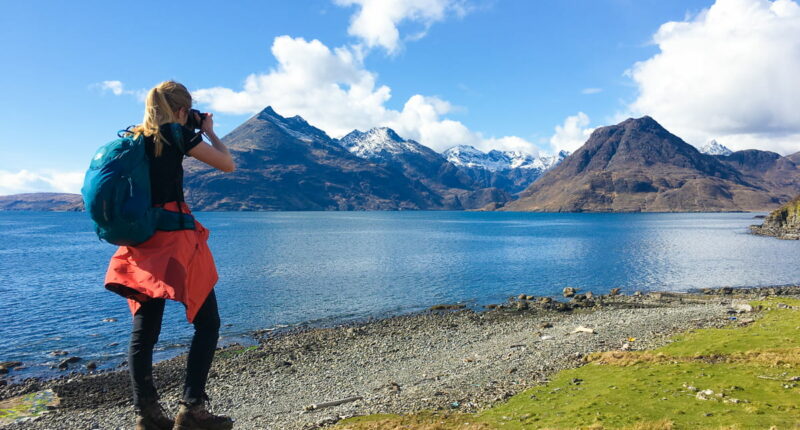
point(637, 293)
point(3, 370)
point(545, 300)
point(67, 361)
point(529, 297)
point(562, 307)
point(569, 291)
point(545, 325)
point(582, 329)
point(59, 353)
point(742, 308)
point(10, 364)
point(589, 295)
point(579, 297)
point(522, 305)
point(614, 292)
point(727, 290)
point(626, 346)
point(522, 297)
point(91, 365)
point(447, 307)
point(704, 394)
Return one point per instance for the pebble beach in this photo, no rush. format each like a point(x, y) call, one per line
point(446, 358)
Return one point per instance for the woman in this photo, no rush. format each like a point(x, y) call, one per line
point(174, 265)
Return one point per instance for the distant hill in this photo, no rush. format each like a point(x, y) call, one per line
point(783, 223)
point(780, 175)
point(287, 164)
point(58, 202)
point(638, 166)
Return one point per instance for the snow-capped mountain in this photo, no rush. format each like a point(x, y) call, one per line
point(461, 166)
point(712, 147)
point(385, 147)
point(494, 160)
point(378, 142)
point(512, 171)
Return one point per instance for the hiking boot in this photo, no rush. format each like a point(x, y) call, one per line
point(197, 417)
point(153, 417)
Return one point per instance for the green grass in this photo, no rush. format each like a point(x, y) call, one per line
point(28, 405)
point(751, 366)
point(778, 328)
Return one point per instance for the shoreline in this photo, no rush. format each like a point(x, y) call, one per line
point(449, 359)
point(252, 337)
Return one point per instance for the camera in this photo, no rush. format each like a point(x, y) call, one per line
point(192, 122)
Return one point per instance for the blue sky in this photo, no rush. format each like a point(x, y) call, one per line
point(508, 74)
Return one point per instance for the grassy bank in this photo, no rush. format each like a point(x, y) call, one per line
point(743, 376)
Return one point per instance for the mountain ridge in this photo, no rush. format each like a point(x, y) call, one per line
point(288, 164)
point(638, 166)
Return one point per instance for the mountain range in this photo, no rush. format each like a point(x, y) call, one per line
point(638, 166)
point(512, 171)
point(287, 164)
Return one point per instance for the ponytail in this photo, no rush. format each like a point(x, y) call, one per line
point(160, 107)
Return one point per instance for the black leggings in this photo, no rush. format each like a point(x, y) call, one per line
point(144, 335)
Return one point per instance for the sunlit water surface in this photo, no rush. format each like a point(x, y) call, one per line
point(323, 268)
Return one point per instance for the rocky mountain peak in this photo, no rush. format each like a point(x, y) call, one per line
point(637, 165)
point(296, 126)
point(712, 147)
point(377, 142)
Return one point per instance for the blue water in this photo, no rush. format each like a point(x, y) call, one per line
point(292, 268)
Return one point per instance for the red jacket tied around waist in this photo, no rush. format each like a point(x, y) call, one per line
point(175, 265)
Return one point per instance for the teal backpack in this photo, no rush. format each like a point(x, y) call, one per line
point(116, 194)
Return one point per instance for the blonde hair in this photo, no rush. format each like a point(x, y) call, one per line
point(161, 106)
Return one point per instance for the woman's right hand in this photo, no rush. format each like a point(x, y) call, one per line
point(208, 124)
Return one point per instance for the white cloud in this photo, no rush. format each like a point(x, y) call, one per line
point(572, 134)
point(115, 87)
point(26, 181)
point(118, 89)
point(332, 90)
point(329, 88)
point(377, 21)
point(729, 73)
point(591, 90)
